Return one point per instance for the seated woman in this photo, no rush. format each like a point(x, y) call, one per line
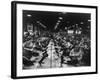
point(76, 55)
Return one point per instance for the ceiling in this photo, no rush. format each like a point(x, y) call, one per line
point(50, 19)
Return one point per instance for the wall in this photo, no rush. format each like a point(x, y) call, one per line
point(5, 39)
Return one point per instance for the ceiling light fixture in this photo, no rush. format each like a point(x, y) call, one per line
point(29, 15)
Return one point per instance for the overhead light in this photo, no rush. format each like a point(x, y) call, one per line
point(59, 21)
point(56, 26)
point(81, 23)
point(41, 24)
point(29, 15)
point(60, 18)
